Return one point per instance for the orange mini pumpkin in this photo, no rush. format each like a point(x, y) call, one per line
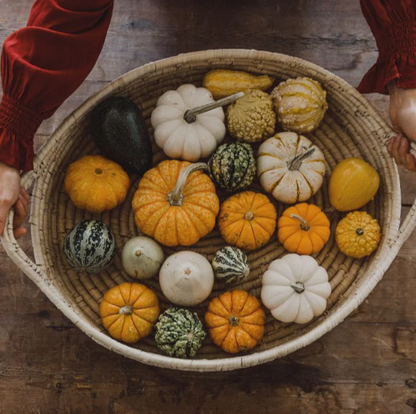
point(247, 220)
point(129, 311)
point(176, 204)
point(303, 229)
point(95, 183)
point(235, 321)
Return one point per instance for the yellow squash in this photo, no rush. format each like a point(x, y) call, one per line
point(353, 184)
point(222, 82)
point(358, 234)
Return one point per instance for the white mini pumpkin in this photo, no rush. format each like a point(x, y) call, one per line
point(295, 289)
point(180, 139)
point(186, 278)
point(142, 257)
point(290, 167)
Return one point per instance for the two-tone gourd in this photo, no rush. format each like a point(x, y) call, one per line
point(290, 167)
point(230, 265)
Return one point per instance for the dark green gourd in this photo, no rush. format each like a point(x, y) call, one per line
point(179, 333)
point(232, 166)
point(120, 132)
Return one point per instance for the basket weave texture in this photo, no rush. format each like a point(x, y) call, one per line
point(351, 128)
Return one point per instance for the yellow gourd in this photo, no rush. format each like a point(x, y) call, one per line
point(222, 82)
point(358, 234)
point(300, 104)
point(95, 183)
point(353, 184)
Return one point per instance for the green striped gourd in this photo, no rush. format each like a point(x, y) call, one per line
point(179, 333)
point(230, 265)
point(233, 166)
point(90, 246)
point(300, 104)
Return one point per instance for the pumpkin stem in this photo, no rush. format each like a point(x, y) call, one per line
point(296, 163)
point(138, 253)
point(359, 232)
point(298, 287)
point(175, 197)
point(234, 320)
point(190, 114)
point(126, 310)
point(304, 225)
point(98, 171)
point(248, 216)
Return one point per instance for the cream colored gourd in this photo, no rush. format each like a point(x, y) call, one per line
point(185, 127)
point(142, 257)
point(295, 289)
point(290, 167)
point(300, 104)
point(186, 278)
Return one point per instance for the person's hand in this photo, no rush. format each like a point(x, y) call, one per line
point(12, 195)
point(403, 118)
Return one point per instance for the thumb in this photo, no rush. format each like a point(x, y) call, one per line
point(4, 211)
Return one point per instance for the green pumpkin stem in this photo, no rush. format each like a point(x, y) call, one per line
point(234, 320)
point(191, 114)
point(298, 287)
point(175, 197)
point(296, 163)
point(359, 232)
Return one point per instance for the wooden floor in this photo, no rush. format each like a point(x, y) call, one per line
point(365, 365)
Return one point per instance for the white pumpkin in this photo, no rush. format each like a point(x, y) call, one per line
point(186, 278)
point(180, 139)
point(300, 104)
point(290, 167)
point(295, 288)
point(142, 257)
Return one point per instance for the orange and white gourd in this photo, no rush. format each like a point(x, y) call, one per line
point(290, 167)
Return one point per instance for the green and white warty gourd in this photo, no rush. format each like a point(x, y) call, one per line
point(90, 246)
point(179, 333)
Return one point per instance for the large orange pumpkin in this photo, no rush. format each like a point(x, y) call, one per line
point(129, 311)
point(247, 220)
point(175, 203)
point(235, 321)
point(303, 229)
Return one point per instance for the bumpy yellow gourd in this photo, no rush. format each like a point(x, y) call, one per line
point(300, 104)
point(223, 82)
point(353, 184)
point(358, 234)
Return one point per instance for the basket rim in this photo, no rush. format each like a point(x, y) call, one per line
point(378, 266)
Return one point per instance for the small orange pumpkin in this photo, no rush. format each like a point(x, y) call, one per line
point(129, 311)
point(247, 220)
point(95, 183)
point(303, 229)
point(175, 204)
point(235, 321)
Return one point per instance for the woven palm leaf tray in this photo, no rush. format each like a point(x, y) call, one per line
point(351, 128)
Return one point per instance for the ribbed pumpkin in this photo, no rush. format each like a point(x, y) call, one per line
point(247, 220)
point(179, 333)
point(300, 104)
point(90, 246)
point(353, 184)
point(303, 229)
point(235, 321)
point(358, 234)
point(230, 265)
point(175, 203)
point(290, 167)
point(129, 311)
point(232, 167)
point(95, 183)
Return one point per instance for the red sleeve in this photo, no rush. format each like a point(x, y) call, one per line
point(42, 64)
point(393, 23)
